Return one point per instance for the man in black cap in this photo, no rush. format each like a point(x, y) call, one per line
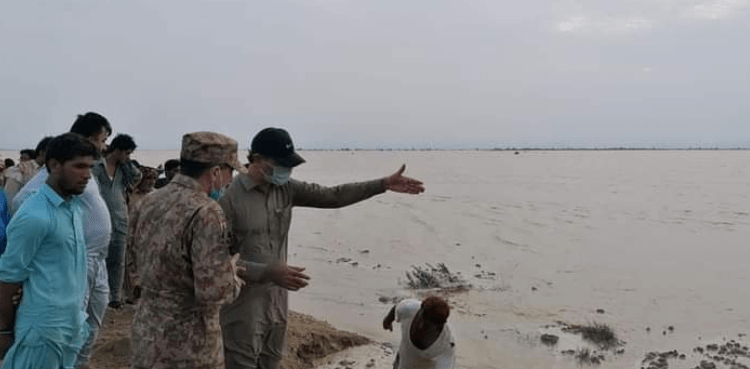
point(258, 206)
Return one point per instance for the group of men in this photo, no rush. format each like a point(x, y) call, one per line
point(98, 207)
point(207, 253)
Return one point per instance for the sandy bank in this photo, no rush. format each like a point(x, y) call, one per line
point(309, 340)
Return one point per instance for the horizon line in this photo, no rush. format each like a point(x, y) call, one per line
point(530, 148)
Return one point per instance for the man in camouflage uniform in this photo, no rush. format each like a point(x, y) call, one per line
point(258, 205)
point(178, 241)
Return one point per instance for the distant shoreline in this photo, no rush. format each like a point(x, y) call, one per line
point(544, 149)
point(502, 149)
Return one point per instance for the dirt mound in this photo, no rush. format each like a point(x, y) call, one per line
point(308, 339)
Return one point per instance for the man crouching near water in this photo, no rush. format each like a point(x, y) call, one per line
point(46, 255)
point(426, 339)
point(178, 244)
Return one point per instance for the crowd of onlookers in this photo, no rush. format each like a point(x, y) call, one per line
point(203, 256)
point(13, 176)
point(118, 183)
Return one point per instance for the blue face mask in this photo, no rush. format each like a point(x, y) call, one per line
point(279, 176)
point(216, 194)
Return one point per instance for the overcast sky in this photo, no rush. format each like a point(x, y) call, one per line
point(382, 73)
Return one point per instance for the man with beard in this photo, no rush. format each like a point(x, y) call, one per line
point(46, 254)
point(96, 228)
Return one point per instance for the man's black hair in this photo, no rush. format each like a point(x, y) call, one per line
point(9, 162)
point(29, 152)
point(122, 142)
point(171, 164)
point(194, 169)
point(90, 124)
point(67, 146)
point(42, 145)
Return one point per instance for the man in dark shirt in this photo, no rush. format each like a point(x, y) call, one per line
point(115, 173)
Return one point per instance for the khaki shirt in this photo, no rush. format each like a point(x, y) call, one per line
point(259, 217)
point(178, 244)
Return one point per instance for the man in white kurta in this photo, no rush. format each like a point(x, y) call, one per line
point(416, 322)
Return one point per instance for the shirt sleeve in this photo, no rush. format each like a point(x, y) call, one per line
point(407, 309)
point(25, 234)
point(253, 270)
point(31, 187)
point(317, 196)
point(213, 272)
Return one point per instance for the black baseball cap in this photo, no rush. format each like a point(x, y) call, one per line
point(275, 143)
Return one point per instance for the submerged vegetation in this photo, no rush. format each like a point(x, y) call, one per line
point(430, 276)
point(601, 335)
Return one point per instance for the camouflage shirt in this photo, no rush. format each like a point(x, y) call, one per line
point(177, 242)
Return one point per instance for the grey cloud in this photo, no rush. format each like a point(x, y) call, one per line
point(379, 73)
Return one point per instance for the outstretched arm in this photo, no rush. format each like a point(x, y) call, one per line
point(388, 320)
point(397, 182)
point(317, 196)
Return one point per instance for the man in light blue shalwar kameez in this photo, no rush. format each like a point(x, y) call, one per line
point(97, 230)
point(46, 254)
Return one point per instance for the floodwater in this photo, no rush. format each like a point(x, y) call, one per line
point(652, 238)
point(638, 240)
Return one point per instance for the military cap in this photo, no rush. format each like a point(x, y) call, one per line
point(149, 172)
point(210, 148)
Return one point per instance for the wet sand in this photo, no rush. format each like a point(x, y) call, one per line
point(308, 340)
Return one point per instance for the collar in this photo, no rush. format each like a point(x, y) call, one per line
point(188, 182)
point(52, 196)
